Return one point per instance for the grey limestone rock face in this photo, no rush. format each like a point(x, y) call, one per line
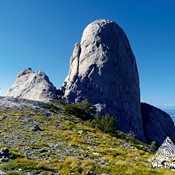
point(32, 86)
point(157, 124)
point(103, 71)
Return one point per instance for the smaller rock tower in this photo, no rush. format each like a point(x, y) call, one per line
point(33, 86)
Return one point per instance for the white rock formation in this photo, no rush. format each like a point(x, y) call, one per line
point(103, 71)
point(32, 86)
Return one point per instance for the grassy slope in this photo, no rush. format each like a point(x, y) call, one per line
point(61, 148)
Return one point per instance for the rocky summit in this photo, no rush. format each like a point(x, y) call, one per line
point(32, 86)
point(103, 71)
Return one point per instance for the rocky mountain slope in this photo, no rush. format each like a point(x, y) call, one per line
point(42, 139)
point(103, 72)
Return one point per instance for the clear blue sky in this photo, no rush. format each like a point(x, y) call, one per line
point(41, 34)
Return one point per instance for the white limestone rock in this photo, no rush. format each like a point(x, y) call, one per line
point(33, 86)
point(103, 71)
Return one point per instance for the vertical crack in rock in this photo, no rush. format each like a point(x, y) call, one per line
point(103, 71)
point(74, 64)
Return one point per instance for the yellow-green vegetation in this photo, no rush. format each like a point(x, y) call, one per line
point(82, 110)
point(66, 145)
point(106, 123)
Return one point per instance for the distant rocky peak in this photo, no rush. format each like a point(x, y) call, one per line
point(25, 72)
point(33, 86)
point(40, 73)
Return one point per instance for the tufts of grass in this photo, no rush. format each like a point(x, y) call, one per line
point(14, 173)
point(24, 164)
point(17, 164)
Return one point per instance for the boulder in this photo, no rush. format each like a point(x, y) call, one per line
point(103, 71)
point(37, 128)
point(33, 86)
point(4, 152)
point(157, 124)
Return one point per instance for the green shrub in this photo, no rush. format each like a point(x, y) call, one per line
point(51, 108)
point(81, 110)
point(153, 146)
point(130, 136)
point(60, 102)
point(106, 123)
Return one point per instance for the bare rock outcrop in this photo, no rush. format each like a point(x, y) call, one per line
point(32, 86)
point(103, 71)
point(157, 124)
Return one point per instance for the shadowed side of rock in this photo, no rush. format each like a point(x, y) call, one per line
point(157, 124)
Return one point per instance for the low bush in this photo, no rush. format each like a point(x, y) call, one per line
point(82, 110)
point(153, 146)
point(51, 108)
point(130, 136)
point(106, 123)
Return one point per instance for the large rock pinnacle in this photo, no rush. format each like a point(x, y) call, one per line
point(103, 71)
point(33, 86)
